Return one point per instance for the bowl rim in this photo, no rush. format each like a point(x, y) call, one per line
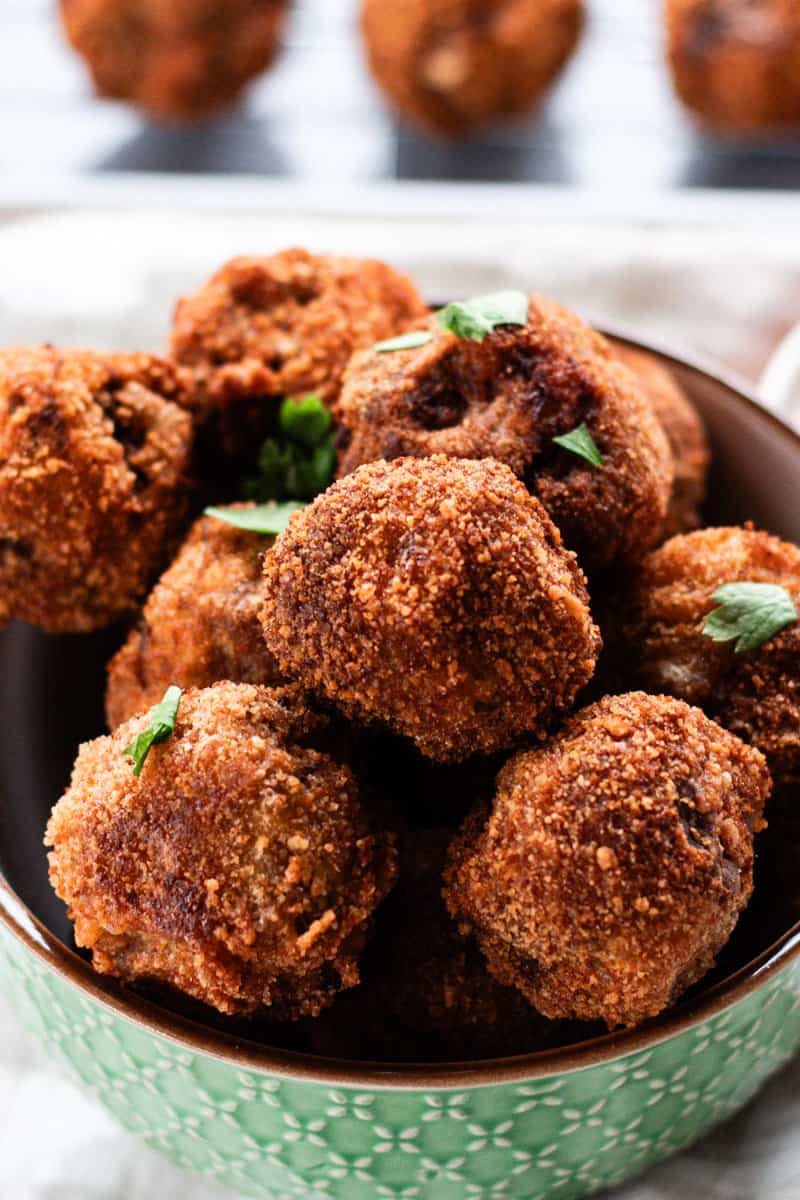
point(240, 1053)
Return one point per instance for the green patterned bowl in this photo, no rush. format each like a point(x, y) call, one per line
point(276, 1124)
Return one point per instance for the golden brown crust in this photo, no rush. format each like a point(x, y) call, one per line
point(426, 991)
point(755, 694)
point(200, 624)
point(179, 59)
point(433, 595)
point(685, 433)
point(736, 65)
point(264, 328)
point(451, 66)
point(615, 861)
point(240, 868)
point(94, 451)
point(507, 398)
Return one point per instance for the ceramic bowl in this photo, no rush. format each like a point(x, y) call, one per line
point(276, 1124)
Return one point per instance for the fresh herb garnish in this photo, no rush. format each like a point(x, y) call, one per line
point(479, 317)
point(269, 518)
point(749, 613)
point(406, 341)
point(580, 441)
point(300, 462)
point(162, 726)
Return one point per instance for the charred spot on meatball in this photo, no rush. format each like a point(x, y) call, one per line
point(240, 868)
point(178, 61)
point(508, 397)
point(200, 625)
point(264, 328)
point(615, 861)
point(756, 694)
point(432, 596)
point(451, 66)
point(94, 455)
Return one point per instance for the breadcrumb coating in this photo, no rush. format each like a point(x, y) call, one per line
point(755, 694)
point(615, 861)
point(433, 596)
point(240, 868)
point(685, 433)
point(451, 66)
point(264, 328)
point(508, 397)
point(177, 60)
point(737, 65)
point(200, 624)
point(94, 454)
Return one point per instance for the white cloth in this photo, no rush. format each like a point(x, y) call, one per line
point(110, 281)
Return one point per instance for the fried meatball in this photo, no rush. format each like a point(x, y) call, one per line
point(240, 868)
point(755, 694)
point(434, 596)
point(175, 59)
point(426, 992)
point(685, 433)
point(736, 63)
point(94, 452)
point(200, 624)
point(265, 328)
point(508, 397)
point(451, 66)
point(615, 861)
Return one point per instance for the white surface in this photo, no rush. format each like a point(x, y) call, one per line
point(110, 279)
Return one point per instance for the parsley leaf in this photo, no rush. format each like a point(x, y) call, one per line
point(306, 420)
point(300, 463)
point(406, 341)
point(580, 441)
point(162, 726)
point(264, 518)
point(478, 317)
point(749, 613)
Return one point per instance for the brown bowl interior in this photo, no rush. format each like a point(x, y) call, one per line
point(51, 698)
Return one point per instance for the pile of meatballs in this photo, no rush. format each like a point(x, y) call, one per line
point(455, 764)
point(450, 67)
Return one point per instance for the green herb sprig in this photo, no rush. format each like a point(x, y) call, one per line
point(300, 462)
point(580, 441)
point(749, 614)
point(268, 518)
point(161, 727)
point(474, 319)
point(477, 318)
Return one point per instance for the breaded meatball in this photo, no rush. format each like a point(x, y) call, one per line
point(200, 624)
point(240, 868)
point(756, 694)
point(508, 397)
point(265, 328)
point(615, 861)
point(433, 596)
point(175, 59)
point(426, 992)
point(736, 63)
point(452, 66)
point(94, 452)
point(685, 433)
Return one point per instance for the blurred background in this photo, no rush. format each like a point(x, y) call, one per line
point(611, 125)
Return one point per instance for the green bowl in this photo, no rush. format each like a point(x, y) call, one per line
point(272, 1123)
